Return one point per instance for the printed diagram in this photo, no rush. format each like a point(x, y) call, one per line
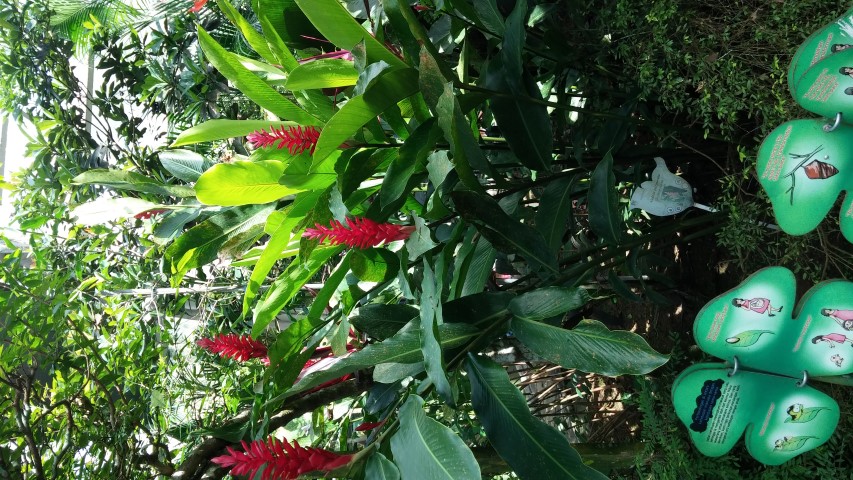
point(844, 318)
point(757, 305)
point(790, 444)
point(797, 413)
point(837, 360)
point(849, 72)
point(840, 47)
point(831, 339)
point(815, 169)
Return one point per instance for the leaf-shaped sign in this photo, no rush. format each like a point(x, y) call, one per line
point(427, 450)
point(833, 38)
point(665, 194)
point(534, 449)
point(804, 336)
point(589, 347)
point(242, 183)
point(804, 169)
point(747, 338)
point(718, 408)
point(826, 87)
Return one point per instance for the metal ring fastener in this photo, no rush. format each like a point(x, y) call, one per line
point(805, 380)
point(735, 367)
point(828, 128)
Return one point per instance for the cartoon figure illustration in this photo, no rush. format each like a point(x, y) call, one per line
point(832, 339)
point(837, 360)
point(846, 71)
point(842, 317)
point(840, 47)
point(675, 193)
point(757, 305)
point(795, 411)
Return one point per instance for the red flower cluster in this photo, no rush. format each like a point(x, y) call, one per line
point(282, 460)
point(150, 213)
point(231, 345)
point(296, 139)
point(362, 233)
point(198, 5)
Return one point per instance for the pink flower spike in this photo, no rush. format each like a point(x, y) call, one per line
point(280, 459)
point(337, 54)
point(150, 213)
point(295, 139)
point(362, 233)
point(240, 348)
point(198, 5)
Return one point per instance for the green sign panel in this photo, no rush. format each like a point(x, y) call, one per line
point(804, 169)
point(827, 87)
point(833, 38)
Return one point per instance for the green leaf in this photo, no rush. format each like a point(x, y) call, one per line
point(380, 468)
point(285, 287)
point(404, 347)
point(184, 164)
point(242, 183)
point(267, 9)
point(791, 444)
point(555, 210)
point(386, 91)
point(513, 45)
point(807, 415)
point(525, 125)
point(505, 233)
point(289, 23)
point(201, 244)
point(604, 217)
point(747, 338)
point(247, 82)
point(338, 26)
point(103, 209)
point(427, 450)
point(252, 36)
point(431, 318)
point(490, 16)
point(132, 181)
point(323, 73)
point(302, 173)
point(420, 241)
point(413, 155)
point(457, 131)
point(288, 354)
point(375, 265)
point(173, 224)
point(221, 129)
point(589, 347)
point(279, 239)
point(383, 321)
point(478, 268)
point(533, 449)
point(547, 302)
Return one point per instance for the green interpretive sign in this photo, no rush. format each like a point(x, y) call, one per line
point(804, 169)
point(774, 344)
point(833, 38)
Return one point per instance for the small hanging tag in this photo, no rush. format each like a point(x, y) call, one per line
point(666, 194)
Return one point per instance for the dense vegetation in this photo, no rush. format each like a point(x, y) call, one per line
point(420, 188)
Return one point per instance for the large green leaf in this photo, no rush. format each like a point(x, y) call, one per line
point(383, 321)
point(323, 73)
point(404, 347)
point(220, 129)
point(252, 36)
point(534, 449)
point(184, 164)
point(413, 155)
point(242, 183)
point(604, 218)
point(385, 91)
point(547, 302)
point(250, 84)
point(555, 211)
point(427, 450)
point(340, 28)
point(288, 22)
point(525, 125)
point(505, 233)
point(103, 209)
point(589, 347)
point(431, 318)
point(380, 468)
point(490, 16)
point(285, 287)
point(132, 181)
point(467, 154)
point(375, 265)
point(201, 244)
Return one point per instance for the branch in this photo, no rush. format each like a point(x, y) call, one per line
point(198, 461)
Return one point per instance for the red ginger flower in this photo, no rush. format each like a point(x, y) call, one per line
point(296, 139)
point(282, 460)
point(362, 233)
point(197, 6)
point(240, 348)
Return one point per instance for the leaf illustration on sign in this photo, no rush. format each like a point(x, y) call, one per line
point(747, 338)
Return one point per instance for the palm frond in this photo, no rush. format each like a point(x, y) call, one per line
point(71, 17)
